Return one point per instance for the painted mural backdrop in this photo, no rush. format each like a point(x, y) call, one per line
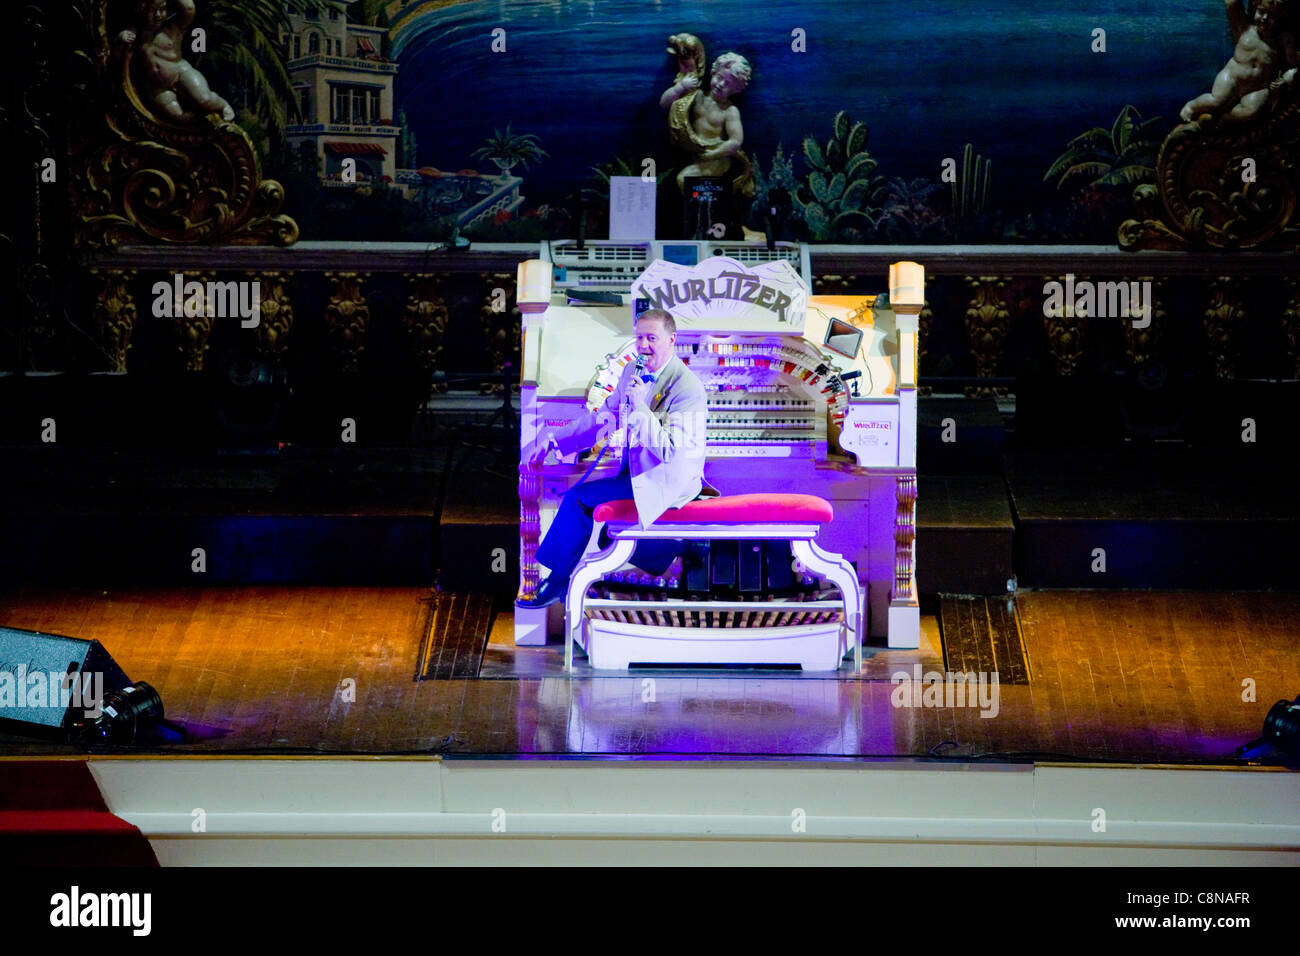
point(1002, 88)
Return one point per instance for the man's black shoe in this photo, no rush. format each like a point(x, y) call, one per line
point(550, 592)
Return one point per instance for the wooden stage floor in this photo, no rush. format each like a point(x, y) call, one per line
point(1122, 677)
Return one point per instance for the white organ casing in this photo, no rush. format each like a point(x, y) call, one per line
point(782, 418)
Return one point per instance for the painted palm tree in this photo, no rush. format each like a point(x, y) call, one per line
point(246, 58)
point(1125, 154)
point(509, 149)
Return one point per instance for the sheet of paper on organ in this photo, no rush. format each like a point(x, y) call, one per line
point(631, 207)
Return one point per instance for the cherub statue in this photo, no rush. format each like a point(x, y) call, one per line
point(708, 124)
point(161, 71)
point(1264, 60)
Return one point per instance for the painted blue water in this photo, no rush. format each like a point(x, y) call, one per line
point(1017, 80)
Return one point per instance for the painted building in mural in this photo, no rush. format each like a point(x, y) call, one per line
point(345, 94)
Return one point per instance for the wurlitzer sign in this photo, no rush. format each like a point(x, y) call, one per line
point(722, 295)
point(870, 433)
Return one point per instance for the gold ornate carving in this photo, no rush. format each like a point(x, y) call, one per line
point(347, 317)
point(988, 321)
point(502, 323)
point(1065, 334)
point(141, 179)
point(904, 536)
point(114, 313)
point(1291, 324)
point(425, 317)
point(194, 326)
point(1223, 185)
point(1141, 343)
point(276, 315)
point(1223, 313)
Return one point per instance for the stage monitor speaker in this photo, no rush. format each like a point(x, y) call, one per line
point(48, 682)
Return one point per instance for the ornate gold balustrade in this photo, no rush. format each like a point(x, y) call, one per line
point(989, 315)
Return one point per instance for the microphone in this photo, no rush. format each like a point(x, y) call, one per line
point(637, 370)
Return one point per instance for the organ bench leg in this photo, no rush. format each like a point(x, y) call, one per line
point(591, 570)
point(839, 572)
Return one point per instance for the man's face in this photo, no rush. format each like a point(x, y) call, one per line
point(654, 343)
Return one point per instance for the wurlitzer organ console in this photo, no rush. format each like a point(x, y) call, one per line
point(806, 394)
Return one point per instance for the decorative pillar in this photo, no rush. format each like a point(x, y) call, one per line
point(1223, 313)
point(347, 317)
point(904, 539)
point(276, 315)
point(530, 526)
point(988, 321)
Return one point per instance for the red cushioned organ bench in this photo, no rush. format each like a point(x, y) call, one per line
point(810, 439)
point(763, 632)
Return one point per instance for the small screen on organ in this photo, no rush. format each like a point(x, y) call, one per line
point(843, 338)
point(683, 254)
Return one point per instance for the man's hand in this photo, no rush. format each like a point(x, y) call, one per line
point(541, 447)
point(637, 391)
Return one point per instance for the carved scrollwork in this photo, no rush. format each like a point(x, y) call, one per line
point(1223, 185)
point(348, 317)
point(114, 314)
point(988, 322)
point(141, 179)
point(502, 323)
point(1065, 334)
point(194, 325)
point(275, 318)
point(1224, 313)
point(426, 317)
point(1142, 338)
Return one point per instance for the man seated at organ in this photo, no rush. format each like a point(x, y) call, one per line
point(659, 411)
